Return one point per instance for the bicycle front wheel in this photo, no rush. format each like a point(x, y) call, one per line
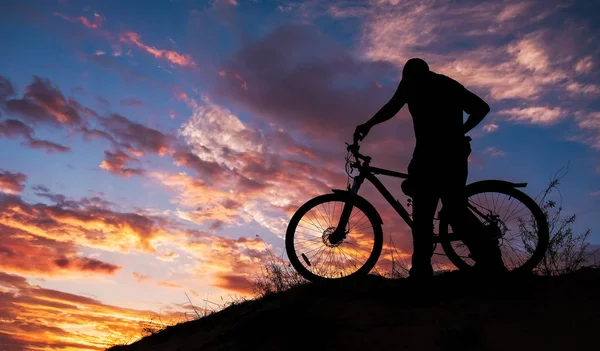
point(520, 224)
point(315, 257)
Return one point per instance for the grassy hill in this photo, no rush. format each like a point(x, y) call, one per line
point(453, 311)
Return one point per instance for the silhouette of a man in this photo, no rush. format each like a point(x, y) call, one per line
point(439, 167)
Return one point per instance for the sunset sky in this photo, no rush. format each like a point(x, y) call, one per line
point(144, 147)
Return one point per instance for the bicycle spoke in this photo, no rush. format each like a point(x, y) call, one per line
point(513, 221)
point(329, 259)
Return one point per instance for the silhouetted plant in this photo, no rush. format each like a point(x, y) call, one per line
point(398, 267)
point(276, 275)
point(153, 326)
point(567, 250)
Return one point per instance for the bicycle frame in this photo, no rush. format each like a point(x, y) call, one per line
point(367, 172)
point(370, 174)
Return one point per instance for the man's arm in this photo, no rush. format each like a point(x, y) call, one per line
point(475, 107)
point(388, 111)
point(391, 108)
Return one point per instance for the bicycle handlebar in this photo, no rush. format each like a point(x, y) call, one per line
point(353, 148)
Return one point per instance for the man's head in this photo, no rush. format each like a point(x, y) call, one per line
point(414, 69)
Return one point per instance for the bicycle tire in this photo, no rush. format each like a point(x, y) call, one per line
point(360, 203)
point(506, 189)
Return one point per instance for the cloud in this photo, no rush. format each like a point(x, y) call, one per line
point(90, 221)
point(115, 162)
point(493, 152)
point(40, 318)
point(6, 88)
point(226, 261)
point(490, 128)
point(51, 257)
point(131, 102)
point(173, 57)
point(93, 24)
point(12, 183)
point(49, 146)
point(300, 79)
point(89, 134)
point(199, 202)
point(529, 53)
point(126, 73)
point(218, 133)
point(584, 65)
point(140, 277)
point(514, 54)
point(127, 37)
point(11, 128)
point(209, 169)
point(168, 284)
point(234, 282)
point(246, 174)
point(241, 171)
point(583, 89)
point(139, 136)
point(589, 123)
point(43, 103)
point(535, 115)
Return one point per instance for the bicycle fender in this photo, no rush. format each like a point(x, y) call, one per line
point(500, 183)
point(361, 199)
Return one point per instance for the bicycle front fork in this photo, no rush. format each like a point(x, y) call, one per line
point(340, 232)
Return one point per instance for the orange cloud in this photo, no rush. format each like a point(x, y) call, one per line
point(171, 56)
point(115, 163)
point(140, 277)
point(228, 263)
point(91, 222)
point(234, 282)
point(95, 24)
point(169, 284)
point(37, 318)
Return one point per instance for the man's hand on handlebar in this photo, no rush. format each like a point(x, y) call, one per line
point(361, 132)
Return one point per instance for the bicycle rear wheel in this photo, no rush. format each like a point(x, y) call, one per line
point(315, 257)
point(519, 223)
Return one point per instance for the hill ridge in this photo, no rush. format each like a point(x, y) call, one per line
point(452, 311)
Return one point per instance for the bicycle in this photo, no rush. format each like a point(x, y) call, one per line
point(348, 230)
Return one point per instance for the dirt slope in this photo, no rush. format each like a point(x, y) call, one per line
point(452, 312)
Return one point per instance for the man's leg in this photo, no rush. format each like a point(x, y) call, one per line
point(454, 204)
point(424, 206)
point(484, 251)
